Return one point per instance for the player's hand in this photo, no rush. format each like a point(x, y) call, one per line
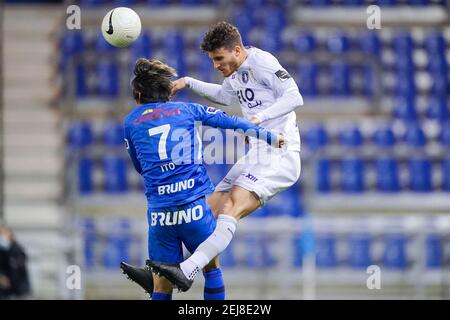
point(281, 140)
point(177, 85)
point(255, 120)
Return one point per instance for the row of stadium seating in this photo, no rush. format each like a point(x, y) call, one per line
point(348, 171)
point(119, 243)
point(81, 134)
point(351, 174)
point(250, 4)
point(335, 77)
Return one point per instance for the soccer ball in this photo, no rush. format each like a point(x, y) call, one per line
point(121, 27)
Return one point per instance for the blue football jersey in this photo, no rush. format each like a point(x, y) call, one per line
point(164, 144)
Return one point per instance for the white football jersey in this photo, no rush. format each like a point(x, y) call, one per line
point(257, 84)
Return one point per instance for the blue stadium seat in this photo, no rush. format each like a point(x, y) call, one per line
point(274, 20)
point(386, 3)
point(71, 44)
point(316, 137)
point(158, 2)
point(320, 3)
point(405, 83)
point(415, 136)
point(353, 2)
point(227, 258)
point(340, 79)
point(81, 89)
point(403, 43)
point(124, 3)
point(90, 240)
point(352, 174)
point(113, 134)
point(326, 256)
point(338, 42)
point(387, 174)
point(418, 2)
point(117, 246)
point(175, 54)
point(394, 253)
point(444, 135)
point(79, 134)
point(115, 174)
point(360, 255)
point(435, 43)
point(437, 65)
point(351, 137)
point(108, 80)
point(304, 42)
point(420, 178)
point(92, 3)
point(258, 253)
point(307, 77)
point(142, 47)
point(369, 81)
point(434, 251)
point(445, 166)
point(440, 84)
point(271, 41)
point(191, 2)
point(85, 175)
point(286, 203)
point(384, 137)
point(323, 169)
point(438, 109)
point(404, 108)
point(102, 46)
point(404, 66)
point(370, 42)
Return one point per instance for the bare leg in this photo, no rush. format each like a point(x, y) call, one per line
point(217, 201)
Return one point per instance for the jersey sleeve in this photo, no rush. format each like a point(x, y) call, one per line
point(131, 149)
point(221, 94)
point(269, 72)
point(218, 119)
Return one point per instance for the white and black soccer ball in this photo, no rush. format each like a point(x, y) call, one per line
point(121, 27)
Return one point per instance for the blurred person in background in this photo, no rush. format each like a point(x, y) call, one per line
point(14, 281)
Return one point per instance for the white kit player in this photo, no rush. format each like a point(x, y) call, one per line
point(268, 96)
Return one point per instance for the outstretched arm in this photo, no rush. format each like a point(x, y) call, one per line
point(221, 94)
point(218, 119)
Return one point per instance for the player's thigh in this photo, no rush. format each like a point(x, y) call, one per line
point(217, 201)
point(241, 202)
point(161, 284)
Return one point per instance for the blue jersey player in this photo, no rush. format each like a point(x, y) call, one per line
point(164, 145)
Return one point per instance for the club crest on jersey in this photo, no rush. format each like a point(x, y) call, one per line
point(283, 75)
point(245, 76)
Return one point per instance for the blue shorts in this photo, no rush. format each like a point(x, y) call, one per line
point(190, 224)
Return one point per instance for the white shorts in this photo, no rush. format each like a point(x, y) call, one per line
point(263, 173)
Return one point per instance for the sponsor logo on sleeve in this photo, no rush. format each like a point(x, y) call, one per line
point(283, 75)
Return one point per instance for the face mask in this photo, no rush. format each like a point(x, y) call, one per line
point(4, 242)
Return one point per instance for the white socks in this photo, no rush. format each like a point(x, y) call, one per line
point(216, 243)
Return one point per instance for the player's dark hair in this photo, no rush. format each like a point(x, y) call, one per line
point(152, 81)
point(221, 35)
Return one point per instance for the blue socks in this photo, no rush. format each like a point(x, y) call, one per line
point(161, 296)
point(214, 285)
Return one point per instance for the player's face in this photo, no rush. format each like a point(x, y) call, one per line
point(225, 60)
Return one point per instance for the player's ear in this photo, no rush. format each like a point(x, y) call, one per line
point(237, 50)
